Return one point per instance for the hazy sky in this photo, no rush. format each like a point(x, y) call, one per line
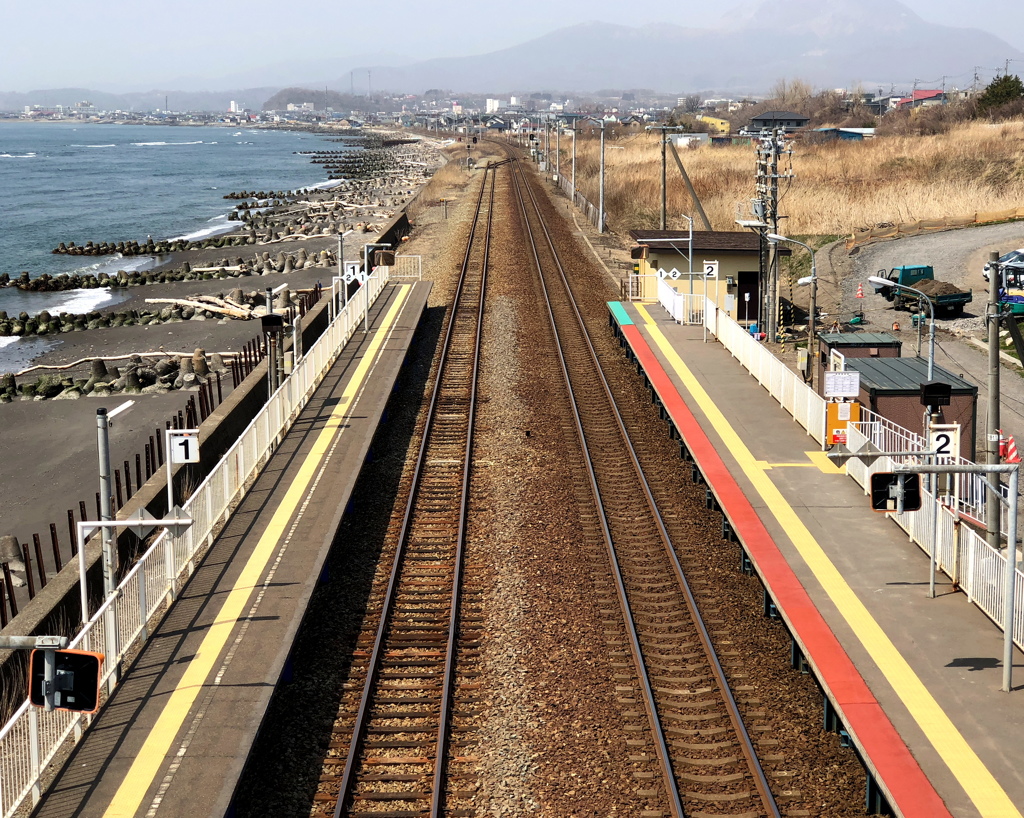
point(117, 45)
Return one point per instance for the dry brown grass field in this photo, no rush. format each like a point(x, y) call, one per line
point(837, 186)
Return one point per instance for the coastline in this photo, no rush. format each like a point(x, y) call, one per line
point(228, 334)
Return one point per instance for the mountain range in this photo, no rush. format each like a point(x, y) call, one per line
point(827, 43)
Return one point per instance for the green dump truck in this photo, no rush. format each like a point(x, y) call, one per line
point(947, 299)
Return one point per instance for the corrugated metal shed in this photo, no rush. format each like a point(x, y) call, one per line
point(904, 375)
point(859, 339)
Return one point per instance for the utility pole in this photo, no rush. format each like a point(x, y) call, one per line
point(664, 181)
point(558, 151)
point(574, 161)
point(992, 497)
point(600, 196)
point(664, 129)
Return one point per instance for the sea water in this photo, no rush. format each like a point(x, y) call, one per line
point(63, 182)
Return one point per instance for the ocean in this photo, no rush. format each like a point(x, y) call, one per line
point(63, 181)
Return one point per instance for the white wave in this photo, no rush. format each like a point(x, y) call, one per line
point(7, 340)
point(218, 225)
point(81, 301)
point(237, 134)
point(147, 144)
point(112, 264)
point(17, 156)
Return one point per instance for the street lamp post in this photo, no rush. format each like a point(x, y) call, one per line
point(775, 238)
point(881, 283)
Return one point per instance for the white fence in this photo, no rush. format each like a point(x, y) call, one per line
point(405, 267)
point(961, 552)
point(782, 383)
point(685, 308)
point(29, 741)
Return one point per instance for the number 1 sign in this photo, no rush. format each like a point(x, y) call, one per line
point(183, 445)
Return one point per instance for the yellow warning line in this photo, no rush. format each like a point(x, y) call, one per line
point(975, 778)
point(144, 769)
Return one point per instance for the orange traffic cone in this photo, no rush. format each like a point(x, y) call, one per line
point(860, 290)
point(1011, 456)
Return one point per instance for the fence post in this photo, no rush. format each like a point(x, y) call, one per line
point(34, 755)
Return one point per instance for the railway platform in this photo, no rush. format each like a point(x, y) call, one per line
point(913, 681)
point(175, 735)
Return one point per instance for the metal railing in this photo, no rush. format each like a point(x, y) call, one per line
point(961, 553)
point(782, 383)
point(32, 737)
point(685, 308)
point(406, 267)
point(588, 209)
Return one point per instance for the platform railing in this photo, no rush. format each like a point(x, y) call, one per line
point(961, 552)
point(406, 267)
point(31, 738)
point(782, 383)
point(685, 308)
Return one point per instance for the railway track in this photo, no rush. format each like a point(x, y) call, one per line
point(705, 757)
point(393, 752)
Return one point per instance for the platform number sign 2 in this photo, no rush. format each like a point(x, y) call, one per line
point(944, 440)
point(184, 447)
point(710, 269)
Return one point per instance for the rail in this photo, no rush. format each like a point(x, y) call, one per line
point(617, 481)
point(32, 737)
point(421, 635)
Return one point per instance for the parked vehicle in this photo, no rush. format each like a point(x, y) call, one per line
point(1014, 260)
point(946, 298)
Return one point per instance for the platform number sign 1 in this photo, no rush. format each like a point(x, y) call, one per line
point(184, 447)
point(710, 269)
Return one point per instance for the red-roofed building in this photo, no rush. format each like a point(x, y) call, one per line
point(922, 98)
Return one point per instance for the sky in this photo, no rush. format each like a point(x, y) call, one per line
point(140, 45)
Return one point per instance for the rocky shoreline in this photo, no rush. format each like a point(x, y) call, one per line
point(186, 285)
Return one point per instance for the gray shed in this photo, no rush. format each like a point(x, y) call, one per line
point(891, 387)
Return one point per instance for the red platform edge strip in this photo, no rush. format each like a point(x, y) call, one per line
point(909, 791)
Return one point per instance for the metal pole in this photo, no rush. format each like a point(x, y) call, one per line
point(109, 543)
point(1010, 583)
point(600, 199)
point(933, 555)
point(558, 151)
point(811, 354)
point(574, 161)
point(106, 509)
point(664, 179)
point(992, 514)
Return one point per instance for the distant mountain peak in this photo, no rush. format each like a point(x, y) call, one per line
point(825, 19)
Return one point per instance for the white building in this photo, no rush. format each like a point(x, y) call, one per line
point(493, 106)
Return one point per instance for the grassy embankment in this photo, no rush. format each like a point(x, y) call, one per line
point(837, 186)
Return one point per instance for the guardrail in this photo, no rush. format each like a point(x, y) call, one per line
point(32, 737)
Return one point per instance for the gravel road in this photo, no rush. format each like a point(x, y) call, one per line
point(957, 256)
